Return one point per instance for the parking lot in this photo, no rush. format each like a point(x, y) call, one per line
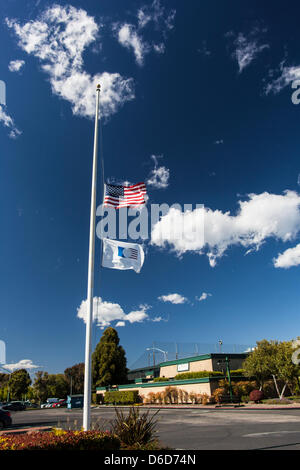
point(192, 428)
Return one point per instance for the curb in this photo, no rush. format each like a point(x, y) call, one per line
point(26, 430)
point(216, 408)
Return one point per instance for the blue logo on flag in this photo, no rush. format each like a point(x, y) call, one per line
point(121, 251)
point(127, 252)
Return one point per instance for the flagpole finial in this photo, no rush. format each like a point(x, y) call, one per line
point(98, 87)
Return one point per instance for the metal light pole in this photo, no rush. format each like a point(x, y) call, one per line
point(227, 361)
point(157, 349)
point(229, 378)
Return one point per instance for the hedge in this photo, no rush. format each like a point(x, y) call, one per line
point(198, 375)
point(122, 398)
point(237, 372)
point(61, 440)
point(97, 398)
point(161, 379)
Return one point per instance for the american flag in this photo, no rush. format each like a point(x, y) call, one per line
point(128, 252)
point(125, 196)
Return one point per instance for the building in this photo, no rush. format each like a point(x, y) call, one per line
point(142, 379)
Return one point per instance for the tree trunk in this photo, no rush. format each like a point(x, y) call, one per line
point(282, 391)
point(276, 385)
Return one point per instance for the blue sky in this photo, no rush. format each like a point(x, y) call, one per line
point(196, 102)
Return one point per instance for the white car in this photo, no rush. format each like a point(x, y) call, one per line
point(50, 402)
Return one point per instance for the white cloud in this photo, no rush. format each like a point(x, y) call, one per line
point(129, 38)
point(138, 316)
point(8, 122)
point(285, 76)
point(104, 313)
point(260, 217)
point(158, 319)
point(173, 298)
point(246, 48)
point(159, 176)
point(23, 364)
point(132, 36)
point(203, 296)
point(15, 65)
point(290, 257)
point(59, 38)
point(157, 14)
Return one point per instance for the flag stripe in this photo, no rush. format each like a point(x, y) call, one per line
point(125, 196)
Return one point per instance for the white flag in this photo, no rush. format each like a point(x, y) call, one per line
point(121, 255)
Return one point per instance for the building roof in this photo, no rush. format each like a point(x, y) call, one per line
point(203, 357)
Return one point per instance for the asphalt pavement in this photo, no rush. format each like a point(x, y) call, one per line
point(203, 429)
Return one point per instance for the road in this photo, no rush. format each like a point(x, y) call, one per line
point(191, 429)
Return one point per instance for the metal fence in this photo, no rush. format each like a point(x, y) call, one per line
point(159, 352)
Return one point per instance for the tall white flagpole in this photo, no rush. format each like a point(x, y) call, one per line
point(90, 287)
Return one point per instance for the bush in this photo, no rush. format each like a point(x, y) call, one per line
point(97, 398)
point(134, 429)
point(256, 396)
point(269, 389)
point(151, 398)
point(195, 398)
point(245, 398)
point(237, 372)
point(161, 379)
point(63, 440)
point(218, 394)
point(243, 387)
point(198, 375)
point(159, 397)
point(128, 397)
point(204, 398)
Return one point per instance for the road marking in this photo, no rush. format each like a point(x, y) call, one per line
point(260, 434)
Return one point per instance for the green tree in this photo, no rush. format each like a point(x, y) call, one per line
point(272, 359)
point(75, 374)
point(57, 386)
point(260, 362)
point(49, 385)
point(4, 378)
point(285, 370)
point(31, 394)
point(3, 393)
point(40, 386)
point(19, 382)
point(109, 360)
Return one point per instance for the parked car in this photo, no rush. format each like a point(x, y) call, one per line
point(60, 404)
point(14, 406)
point(50, 402)
point(28, 404)
point(5, 419)
point(46, 405)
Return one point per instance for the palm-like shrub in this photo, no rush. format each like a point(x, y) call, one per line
point(159, 398)
point(135, 428)
point(170, 395)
